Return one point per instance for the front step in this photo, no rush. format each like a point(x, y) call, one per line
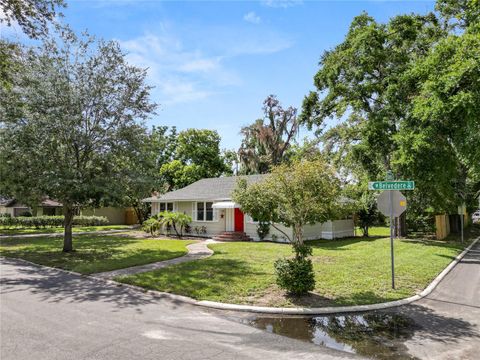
point(232, 236)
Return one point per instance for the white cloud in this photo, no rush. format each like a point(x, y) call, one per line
point(179, 75)
point(281, 3)
point(194, 64)
point(251, 17)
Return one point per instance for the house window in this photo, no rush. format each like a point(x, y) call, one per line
point(166, 206)
point(209, 211)
point(200, 211)
point(205, 211)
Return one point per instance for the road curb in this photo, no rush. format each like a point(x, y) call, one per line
point(341, 309)
point(278, 310)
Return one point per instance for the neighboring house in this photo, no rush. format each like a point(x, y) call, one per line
point(14, 208)
point(209, 203)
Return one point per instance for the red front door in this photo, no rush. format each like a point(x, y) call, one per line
point(238, 220)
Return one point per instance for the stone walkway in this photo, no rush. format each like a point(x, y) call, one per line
point(196, 251)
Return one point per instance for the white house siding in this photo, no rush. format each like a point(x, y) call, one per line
point(251, 230)
point(329, 230)
point(213, 227)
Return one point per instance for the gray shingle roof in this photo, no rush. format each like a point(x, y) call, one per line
point(207, 189)
point(4, 201)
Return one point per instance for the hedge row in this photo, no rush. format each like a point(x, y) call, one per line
point(50, 221)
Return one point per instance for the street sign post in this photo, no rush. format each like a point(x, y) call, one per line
point(391, 185)
point(392, 203)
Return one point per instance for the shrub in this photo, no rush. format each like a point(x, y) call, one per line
point(263, 228)
point(168, 220)
point(89, 220)
point(151, 226)
point(6, 215)
point(295, 275)
point(200, 230)
point(50, 221)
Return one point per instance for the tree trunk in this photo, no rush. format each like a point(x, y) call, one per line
point(298, 234)
point(139, 211)
point(68, 212)
point(400, 228)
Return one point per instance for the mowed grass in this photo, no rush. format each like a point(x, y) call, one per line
point(375, 231)
point(94, 253)
point(348, 272)
point(50, 230)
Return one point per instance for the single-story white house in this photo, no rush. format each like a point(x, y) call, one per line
point(209, 203)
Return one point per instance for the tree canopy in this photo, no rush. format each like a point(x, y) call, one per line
point(405, 97)
point(266, 142)
point(33, 16)
point(72, 123)
point(297, 194)
point(196, 156)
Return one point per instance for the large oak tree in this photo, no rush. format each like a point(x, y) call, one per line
point(71, 123)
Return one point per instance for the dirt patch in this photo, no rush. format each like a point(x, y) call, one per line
point(274, 296)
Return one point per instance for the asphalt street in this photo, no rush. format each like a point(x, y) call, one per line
point(49, 314)
point(450, 316)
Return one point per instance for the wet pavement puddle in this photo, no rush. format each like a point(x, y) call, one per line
point(375, 335)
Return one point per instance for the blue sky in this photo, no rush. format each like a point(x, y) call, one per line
point(213, 63)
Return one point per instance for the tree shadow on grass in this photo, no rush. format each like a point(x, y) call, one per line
point(55, 286)
point(92, 253)
point(339, 244)
point(209, 278)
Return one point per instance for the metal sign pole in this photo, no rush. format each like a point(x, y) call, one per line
point(391, 239)
point(391, 202)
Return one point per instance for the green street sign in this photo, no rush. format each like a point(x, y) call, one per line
point(391, 185)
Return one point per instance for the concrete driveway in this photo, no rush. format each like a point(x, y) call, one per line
point(49, 314)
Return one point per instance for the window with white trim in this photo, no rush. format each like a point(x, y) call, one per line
point(166, 206)
point(204, 211)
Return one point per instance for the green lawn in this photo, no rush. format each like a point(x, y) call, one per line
point(348, 272)
point(375, 231)
point(94, 253)
point(50, 230)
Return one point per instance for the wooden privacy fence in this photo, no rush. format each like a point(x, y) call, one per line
point(442, 226)
point(130, 217)
point(446, 224)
